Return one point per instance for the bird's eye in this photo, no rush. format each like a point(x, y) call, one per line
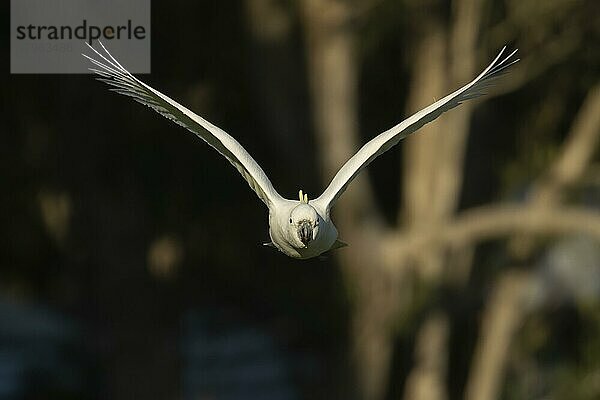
point(290, 220)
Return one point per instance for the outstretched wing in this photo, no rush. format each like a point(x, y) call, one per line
point(391, 137)
point(114, 74)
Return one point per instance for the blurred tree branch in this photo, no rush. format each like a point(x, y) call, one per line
point(501, 319)
point(490, 222)
point(576, 153)
point(570, 165)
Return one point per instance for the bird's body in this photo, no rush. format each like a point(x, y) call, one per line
point(298, 228)
point(289, 217)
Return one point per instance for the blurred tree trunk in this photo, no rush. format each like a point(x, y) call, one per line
point(332, 68)
point(427, 380)
point(432, 180)
point(433, 172)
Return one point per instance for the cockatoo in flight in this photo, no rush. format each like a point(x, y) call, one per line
point(299, 228)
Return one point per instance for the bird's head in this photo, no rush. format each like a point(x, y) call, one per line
point(304, 222)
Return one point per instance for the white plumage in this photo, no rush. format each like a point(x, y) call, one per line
point(299, 228)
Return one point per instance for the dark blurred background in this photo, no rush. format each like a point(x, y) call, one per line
point(131, 263)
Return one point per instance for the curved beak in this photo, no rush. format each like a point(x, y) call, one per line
point(305, 232)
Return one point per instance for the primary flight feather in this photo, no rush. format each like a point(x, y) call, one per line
point(299, 228)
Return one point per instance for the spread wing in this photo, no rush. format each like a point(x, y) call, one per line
point(391, 137)
point(115, 75)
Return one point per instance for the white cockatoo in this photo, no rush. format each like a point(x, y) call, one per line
point(299, 228)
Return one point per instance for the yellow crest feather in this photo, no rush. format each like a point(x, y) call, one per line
point(303, 197)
